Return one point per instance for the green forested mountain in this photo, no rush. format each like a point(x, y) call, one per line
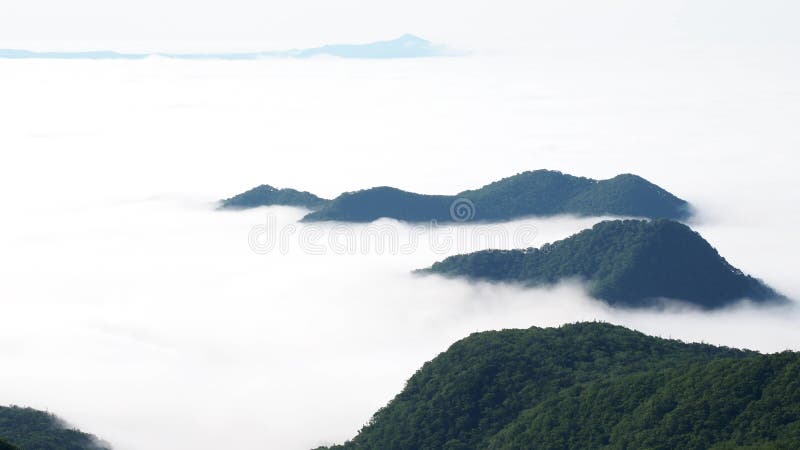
point(4, 445)
point(627, 263)
point(547, 193)
point(536, 193)
point(266, 195)
point(591, 385)
point(375, 203)
point(29, 429)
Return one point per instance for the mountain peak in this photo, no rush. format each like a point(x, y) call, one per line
point(266, 195)
point(630, 263)
point(589, 385)
point(410, 38)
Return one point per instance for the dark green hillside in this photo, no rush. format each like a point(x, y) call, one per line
point(266, 195)
point(375, 203)
point(547, 193)
point(536, 193)
point(591, 385)
point(29, 429)
point(626, 263)
point(722, 403)
point(627, 195)
point(6, 446)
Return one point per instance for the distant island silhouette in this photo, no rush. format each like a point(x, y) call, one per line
point(406, 46)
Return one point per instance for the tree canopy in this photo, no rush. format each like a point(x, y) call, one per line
point(266, 195)
point(628, 263)
point(591, 385)
point(533, 193)
point(30, 429)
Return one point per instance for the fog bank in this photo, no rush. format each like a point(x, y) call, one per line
point(140, 314)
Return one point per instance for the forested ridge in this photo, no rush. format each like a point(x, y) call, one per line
point(266, 195)
point(532, 193)
point(30, 429)
point(630, 263)
point(591, 385)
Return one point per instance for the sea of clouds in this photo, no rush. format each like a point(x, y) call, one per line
point(137, 312)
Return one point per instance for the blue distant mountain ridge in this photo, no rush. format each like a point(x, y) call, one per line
point(27, 54)
point(406, 46)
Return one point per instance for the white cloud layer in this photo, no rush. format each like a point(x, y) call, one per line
point(138, 313)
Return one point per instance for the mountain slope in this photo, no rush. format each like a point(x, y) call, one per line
point(723, 403)
point(546, 193)
point(626, 262)
point(30, 429)
point(536, 193)
point(375, 203)
point(4, 445)
point(590, 385)
point(266, 195)
point(627, 195)
point(406, 46)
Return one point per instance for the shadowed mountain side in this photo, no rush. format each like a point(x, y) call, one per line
point(536, 193)
point(547, 193)
point(591, 385)
point(375, 203)
point(29, 429)
point(630, 263)
point(266, 195)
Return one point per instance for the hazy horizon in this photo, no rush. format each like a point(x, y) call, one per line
point(247, 25)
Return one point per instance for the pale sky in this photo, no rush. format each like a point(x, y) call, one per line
point(197, 25)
